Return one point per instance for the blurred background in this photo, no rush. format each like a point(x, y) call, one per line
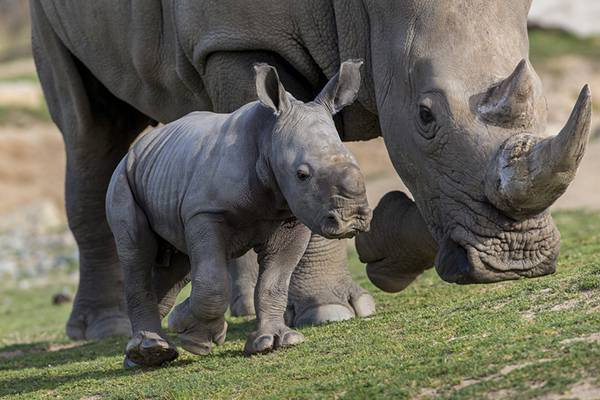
point(35, 245)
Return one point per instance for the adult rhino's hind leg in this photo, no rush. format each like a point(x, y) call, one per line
point(97, 129)
point(322, 289)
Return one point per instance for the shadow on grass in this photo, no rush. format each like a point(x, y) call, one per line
point(49, 381)
point(44, 354)
point(47, 356)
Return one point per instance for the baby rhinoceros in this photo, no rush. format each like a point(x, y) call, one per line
point(213, 186)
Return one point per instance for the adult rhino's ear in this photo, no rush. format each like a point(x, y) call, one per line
point(342, 89)
point(271, 92)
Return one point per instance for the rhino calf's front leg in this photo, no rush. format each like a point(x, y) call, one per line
point(200, 319)
point(277, 259)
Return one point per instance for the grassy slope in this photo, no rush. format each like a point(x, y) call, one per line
point(546, 44)
point(433, 339)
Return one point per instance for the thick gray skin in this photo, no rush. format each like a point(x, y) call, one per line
point(214, 186)
point(445, 58)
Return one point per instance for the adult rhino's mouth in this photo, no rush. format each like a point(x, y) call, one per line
point(526, 249)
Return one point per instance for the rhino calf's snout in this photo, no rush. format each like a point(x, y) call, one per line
point(350, 180)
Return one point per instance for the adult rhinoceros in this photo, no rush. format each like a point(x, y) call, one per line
point(446, 83)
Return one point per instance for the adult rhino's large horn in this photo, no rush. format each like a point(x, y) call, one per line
point(529, 173)
point(511, 103)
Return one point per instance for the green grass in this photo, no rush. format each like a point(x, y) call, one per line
point(432, 340)
point(546, 44)
point(20, 77)
point(20, 116)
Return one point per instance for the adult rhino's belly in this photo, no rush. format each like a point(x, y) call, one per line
point(131, 52)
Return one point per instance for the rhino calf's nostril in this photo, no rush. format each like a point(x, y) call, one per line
point(364, 211)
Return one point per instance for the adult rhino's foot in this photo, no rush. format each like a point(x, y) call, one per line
point(87, 323)
point(195, 335)
point(271, 337)
point(363, 306)
point(148, 349)
point(322, 289)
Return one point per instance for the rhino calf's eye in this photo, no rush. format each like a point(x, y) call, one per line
point(426, 115)
point(302, 174)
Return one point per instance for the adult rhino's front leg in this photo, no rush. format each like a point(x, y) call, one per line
point(322, 289)
point(399, 247)
point(97, 130)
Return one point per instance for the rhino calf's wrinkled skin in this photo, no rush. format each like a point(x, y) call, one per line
point(208, 187)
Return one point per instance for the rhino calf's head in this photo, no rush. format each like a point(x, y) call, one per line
point(317, 175)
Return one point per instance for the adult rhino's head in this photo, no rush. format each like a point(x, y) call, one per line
point(464, 120)
point(316, 173)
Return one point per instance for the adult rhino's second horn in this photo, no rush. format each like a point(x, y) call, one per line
point(529, 173)
point(510, 103)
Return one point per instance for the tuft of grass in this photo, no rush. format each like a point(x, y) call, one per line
point(521, 339)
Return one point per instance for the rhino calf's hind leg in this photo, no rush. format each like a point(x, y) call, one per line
point(137, 249)
point(244, 273)
point(170, 280)
point(200, 319)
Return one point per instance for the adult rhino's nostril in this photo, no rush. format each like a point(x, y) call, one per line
point(452, 263)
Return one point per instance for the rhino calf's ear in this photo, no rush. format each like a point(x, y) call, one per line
point(269, 89)
point(342, 89)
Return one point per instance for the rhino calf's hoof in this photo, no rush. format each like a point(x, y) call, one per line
point(148, 349)
point(199, 341)
point(266, 340)
point(196, 336)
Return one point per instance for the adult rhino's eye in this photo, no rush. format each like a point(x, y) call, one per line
point(302, 174)
point(426, 115)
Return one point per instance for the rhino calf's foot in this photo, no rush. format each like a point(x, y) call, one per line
point(148, 349)
point(270, 338)
point(196, 336)
point(97, 323)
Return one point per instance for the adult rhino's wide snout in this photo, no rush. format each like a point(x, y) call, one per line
point(348, 211)
point(464, 264)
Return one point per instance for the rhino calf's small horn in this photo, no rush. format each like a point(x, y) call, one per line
point(529, 173)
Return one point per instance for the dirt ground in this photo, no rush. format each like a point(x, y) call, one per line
point(32, 158)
